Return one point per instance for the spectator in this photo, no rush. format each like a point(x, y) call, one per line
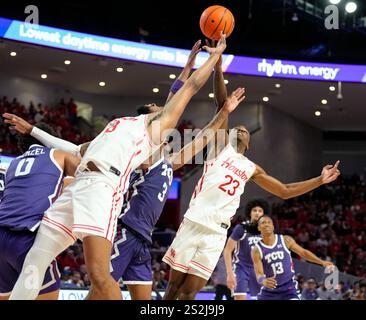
point(158, 279)
point(75, 281)
point(323, 292)
point(336, 293)
point(310, 292)
point(72, 111)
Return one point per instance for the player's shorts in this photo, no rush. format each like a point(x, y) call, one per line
point(287, 291)
point(195, 250)
point(90, 205)
point(131, 259)
point(246, 281)
point(14, 246)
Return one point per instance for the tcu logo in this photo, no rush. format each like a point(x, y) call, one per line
point(253, 240)
point(273, 256)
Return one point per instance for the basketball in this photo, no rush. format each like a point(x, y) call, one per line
point(216, 19)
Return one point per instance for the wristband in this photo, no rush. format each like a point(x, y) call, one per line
point(261, 279)
point(176, 86)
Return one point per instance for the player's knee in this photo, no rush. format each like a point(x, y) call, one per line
point(99, 277)
point(173, 286)
point(187, 294)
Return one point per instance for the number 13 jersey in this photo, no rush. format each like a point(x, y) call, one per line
point(217, 194)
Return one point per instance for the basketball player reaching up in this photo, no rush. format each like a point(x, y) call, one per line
point(273, 263)
point(131, 259)
point(201, 237)
point(33, 182)
point(24, 127)
point(149, 189)
point(241, 278)
point(88, 209)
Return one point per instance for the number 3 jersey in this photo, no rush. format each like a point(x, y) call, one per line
point(32, 183)
point(146, 197)
point(217, 194)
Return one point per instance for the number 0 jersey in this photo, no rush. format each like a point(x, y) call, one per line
point(32, 183)
point(217, 194)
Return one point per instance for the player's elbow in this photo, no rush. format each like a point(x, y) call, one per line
point(284, 194)
point(193, 84)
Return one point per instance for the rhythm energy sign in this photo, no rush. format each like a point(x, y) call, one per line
point(174, 57)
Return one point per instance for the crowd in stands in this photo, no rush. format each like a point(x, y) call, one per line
point(62, 117)
point(312, 290)
point(331, 222)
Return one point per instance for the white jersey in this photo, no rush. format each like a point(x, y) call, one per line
point(217, 194)
point(120, 148)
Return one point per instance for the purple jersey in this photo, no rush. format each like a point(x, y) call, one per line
point(2, 184)
point(245, 242)
point(277, 262)
point(33, 181)
point(146, 197)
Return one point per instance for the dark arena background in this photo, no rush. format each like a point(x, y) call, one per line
point(76, 66)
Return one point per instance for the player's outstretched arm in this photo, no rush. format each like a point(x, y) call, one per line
point(220, 90)
point(219, 87)
point(220, 93)
point(228, 251)
point(184, 75)
point(207, 134)
point(160, 124)
point(306, 254)
point(286, 191)
point(24, 127)
point(259, 272)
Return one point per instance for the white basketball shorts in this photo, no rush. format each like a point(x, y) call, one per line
point(195, 250)
point(90, 205)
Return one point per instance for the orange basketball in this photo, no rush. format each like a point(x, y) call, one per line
point(216, 19)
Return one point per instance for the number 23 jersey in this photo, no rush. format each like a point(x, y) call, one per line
point(217, 194)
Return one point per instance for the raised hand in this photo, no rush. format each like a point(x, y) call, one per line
point(17, 123)
point(212, 44)
point(196, 49)
point(330, 173)
point(234, 100)
point(220, 47)
point(329, 266)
